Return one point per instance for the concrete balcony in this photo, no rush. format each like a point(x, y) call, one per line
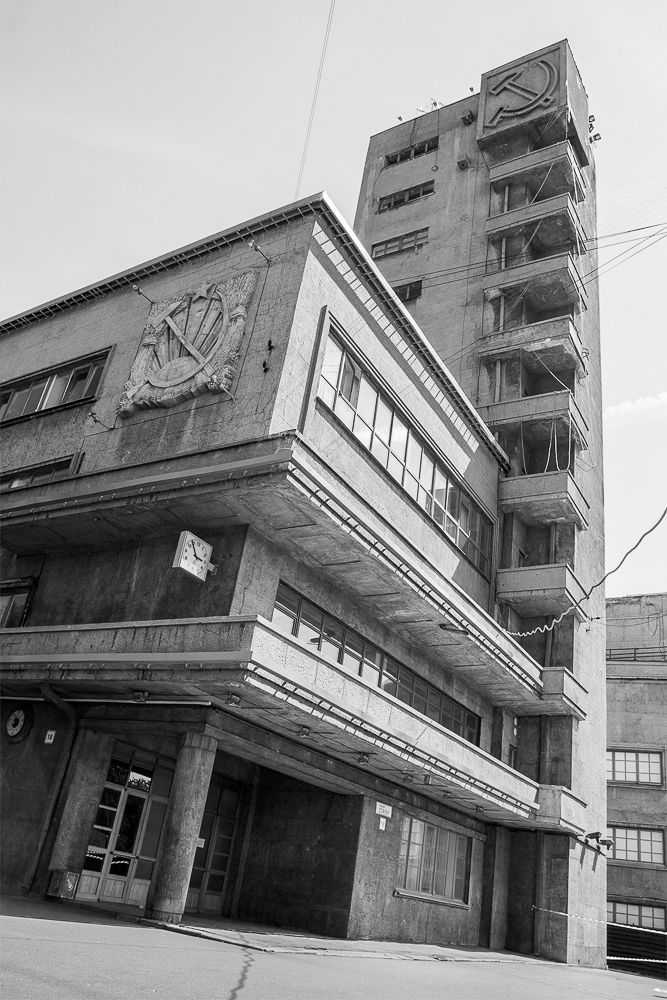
point(562, 811)
point(254, 673)
point(549, 496)
point(555, 341)
point(540, 411)
point(548, 282)
point(537, 591)
point(557, 218)
point(553, 171)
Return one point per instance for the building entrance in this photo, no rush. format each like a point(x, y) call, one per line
point(126, 832)
point(216, 841)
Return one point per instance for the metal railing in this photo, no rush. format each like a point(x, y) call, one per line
point(640, 654)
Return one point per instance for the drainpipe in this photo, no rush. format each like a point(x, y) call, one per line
point(56, 784)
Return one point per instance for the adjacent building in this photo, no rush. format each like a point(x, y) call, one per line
point(294, 618)
point(637, 792)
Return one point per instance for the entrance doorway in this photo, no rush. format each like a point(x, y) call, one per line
point(126, 832)
point(216, 842)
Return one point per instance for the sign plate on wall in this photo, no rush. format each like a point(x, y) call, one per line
point(383, 810)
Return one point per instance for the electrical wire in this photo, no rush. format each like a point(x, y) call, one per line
point(315, 94)
point(573, 607)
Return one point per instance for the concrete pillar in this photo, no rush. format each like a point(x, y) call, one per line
point(495, 880)
point(169, 886)
point(92, 755)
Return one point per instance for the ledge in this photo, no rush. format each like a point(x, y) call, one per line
point(535, 591)
point(548, 496)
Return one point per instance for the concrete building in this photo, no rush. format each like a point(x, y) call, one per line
point(637, 792)
point(265, 558)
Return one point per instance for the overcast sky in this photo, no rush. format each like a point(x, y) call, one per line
point(132, 127)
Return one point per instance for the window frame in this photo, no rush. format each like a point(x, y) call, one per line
point(457, 853)
point(44, 382)
point(410, 291)
point(32, 472)
point(367, 660)
point(612, 911)
point(412, 152)
point(614, 832)
point(405, 196)
point(406, 241)
point(389, 436)
point(614, 772)
point(11, 589)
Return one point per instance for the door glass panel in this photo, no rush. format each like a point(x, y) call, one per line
point(140, 777)
point(118, 772)
point(94, 861)
point(119, 866)
point(212, 800)
point(144, 869)
point(215, 883)
point(153, 829)
point(162, 779)
point(129, 825)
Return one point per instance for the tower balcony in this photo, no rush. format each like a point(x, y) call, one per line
point(546, 282)
point(537, 591)
point(555, 341)
point(552, 171)
point(540, 413)
point(549, 496)
point(554, 222)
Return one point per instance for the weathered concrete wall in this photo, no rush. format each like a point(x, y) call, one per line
point(376, 913)
point(301, 860)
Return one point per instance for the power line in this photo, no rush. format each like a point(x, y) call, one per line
point(314, 104)
point(573, 607)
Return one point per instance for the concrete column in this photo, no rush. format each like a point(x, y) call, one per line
point(92, 755)
point(495, 881)
point(169, 887)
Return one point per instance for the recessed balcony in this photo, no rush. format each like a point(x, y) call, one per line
point(539, 591)
point(551, 171)
point(556, 342)
point(547, 282)
point(248, 669)
point(554, 221)
point(549, 496)
point(539, 412)
point(561, 810)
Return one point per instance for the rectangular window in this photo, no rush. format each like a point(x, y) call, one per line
point(36, 475)
point(411, 152)
point(635, 766)
point(354, 398)
point(630, 844)
point(408, 241)
point(407, 293)
point(294, 615)
point(636, 915)
point(55, 388)
point(15, 602)
point(433, 861)
point(405, 196)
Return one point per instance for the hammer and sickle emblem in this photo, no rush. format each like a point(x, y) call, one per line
point(533, 99)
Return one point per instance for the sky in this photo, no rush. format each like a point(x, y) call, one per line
point(133, 127)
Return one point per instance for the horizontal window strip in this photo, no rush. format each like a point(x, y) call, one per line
point(637, 766)
point(295, 615)
point(636, 915)
point(355, 399)
point(405, 196)
point(407, 241)
point(634, 844)
point(433, 861)
point(36, 475)
point(68, 384)
point(412, 152)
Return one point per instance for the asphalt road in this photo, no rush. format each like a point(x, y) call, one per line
point(74, 956)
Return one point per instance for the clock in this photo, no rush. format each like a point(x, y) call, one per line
point(19, 723)
point(193, 555)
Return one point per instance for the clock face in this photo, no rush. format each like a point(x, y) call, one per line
point(193, 555)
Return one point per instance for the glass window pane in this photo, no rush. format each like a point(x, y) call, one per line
point(310, 626)
point(362, 431)
point(34, 396)
point(399, 438)
point(349, 382)
point(332, 640)
point(76, 385)
point(140, 777)
point(119, 866)
point(153, 829)
point(94, 861)
point(366, 402)
point(162, 779)
point(344, 411)
point(118, 772)
point(414, 455)
point(383, 421)
point(353, 652)
point(129, 824)
point(380, 451)
point(17, 404)
point(55, 391)
point(144, 870)
point(331, 363)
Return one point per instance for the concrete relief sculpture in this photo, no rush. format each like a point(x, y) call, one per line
point(190, 345)
point(520, 92)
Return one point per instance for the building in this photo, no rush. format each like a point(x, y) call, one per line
point(636, 793)
point(333, 727)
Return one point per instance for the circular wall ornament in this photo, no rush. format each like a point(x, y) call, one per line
point(19, 723)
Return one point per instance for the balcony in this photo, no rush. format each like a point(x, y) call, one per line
point(548, 282)
point(552, 171)
point(562, 811)
point(554, 221)
point(555, 341)
point(540, 412)
point(549, 496)
point(539, 591)
point(254, 673)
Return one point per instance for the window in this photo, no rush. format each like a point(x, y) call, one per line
point(54, 388)
point(295, 615)
point(410, 152)
point(403, 197)
point(37, 475)
point(433, 861)
point(636, 915)
point(634, 765)
point(408, 241)
point(647, 846)
point(378, 427)
point(14, 601)
point(407, 293)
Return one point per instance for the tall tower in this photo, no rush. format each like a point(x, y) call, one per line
point(482, 216)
